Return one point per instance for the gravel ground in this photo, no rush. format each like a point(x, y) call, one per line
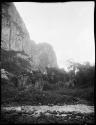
point(67, 114)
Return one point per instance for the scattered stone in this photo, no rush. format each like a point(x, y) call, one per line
point(47, 114)
point(39, 103)
point(78, 117)
point(54, 112)
point(57, 114)
point(49, 111)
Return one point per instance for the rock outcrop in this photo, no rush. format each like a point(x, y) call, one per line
point(46, 56)
point(15, 37)
point(14, 33)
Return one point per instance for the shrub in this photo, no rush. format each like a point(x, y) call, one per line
point(60, 84)
point(48, 86)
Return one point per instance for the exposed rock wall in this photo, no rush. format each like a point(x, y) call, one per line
point(15, 37)
point(14, 33)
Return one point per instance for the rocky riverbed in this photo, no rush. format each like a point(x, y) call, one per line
point(79, 114)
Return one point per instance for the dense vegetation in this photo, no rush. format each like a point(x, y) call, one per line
point(54, 88)
point(12, 63)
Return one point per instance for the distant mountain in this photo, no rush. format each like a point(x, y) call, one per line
point(15, 37)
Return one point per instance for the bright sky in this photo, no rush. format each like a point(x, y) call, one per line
point(68, 27)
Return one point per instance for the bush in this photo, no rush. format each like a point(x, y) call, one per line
point(59, 84)
point(48, 86)
point(4, 81)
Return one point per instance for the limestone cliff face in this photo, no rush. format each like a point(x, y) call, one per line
point(14, 33)
point(43, 56)
point(46, 55)
point(15, 37)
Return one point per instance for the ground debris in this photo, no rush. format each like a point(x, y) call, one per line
point(46, 114)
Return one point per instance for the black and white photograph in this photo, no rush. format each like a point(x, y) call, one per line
point(47, 62)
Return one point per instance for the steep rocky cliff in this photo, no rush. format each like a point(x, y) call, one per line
point(15, 37)
point(46, 56)
point(14, 33)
